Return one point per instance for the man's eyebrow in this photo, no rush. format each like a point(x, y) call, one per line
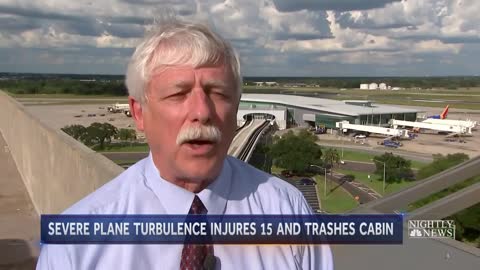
point(181, 83)
point(215, 83)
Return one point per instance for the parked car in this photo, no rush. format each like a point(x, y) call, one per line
point(320, 131)
point(307, 182)
point(390, 143)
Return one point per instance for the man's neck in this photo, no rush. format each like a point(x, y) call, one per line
point(192, 185)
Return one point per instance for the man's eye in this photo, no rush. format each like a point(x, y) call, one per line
point(178, 95)
point(219, 93)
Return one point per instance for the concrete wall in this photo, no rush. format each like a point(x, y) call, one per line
point(57, 170)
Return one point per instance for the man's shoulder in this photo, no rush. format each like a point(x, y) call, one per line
point(253, 176)
point(111, 195)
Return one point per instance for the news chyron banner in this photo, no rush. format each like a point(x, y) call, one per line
point(222, 229)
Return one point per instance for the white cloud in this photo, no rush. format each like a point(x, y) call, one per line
point(271, 35)
point(447, 20)
point(365, 57)
point(435, 46)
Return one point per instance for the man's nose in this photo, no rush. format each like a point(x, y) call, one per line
point(201, 107)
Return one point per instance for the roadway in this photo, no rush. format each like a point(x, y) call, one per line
point(364, 194)
point(426, 187)
point(242, 137)
point(248, 146)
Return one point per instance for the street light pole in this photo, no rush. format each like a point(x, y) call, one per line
point(384, 178)
point(325, 184)
point(341, 130)
point(325, 180)
point(384, 165)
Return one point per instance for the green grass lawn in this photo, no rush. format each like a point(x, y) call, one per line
point(367, 157)
point(276, 170)
point(376, 184)
point(416, 165)
point(356, 155)
point(337, 201)
point(133, 148)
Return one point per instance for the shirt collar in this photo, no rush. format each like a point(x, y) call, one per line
point(177, 200)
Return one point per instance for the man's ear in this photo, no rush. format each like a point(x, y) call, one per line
point(137, 112)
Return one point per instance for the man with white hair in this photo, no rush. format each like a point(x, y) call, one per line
point(184, 88)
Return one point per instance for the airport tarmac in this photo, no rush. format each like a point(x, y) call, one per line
point(58, 116)
point(425, 143)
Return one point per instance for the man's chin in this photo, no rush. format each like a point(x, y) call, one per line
point(202, 171)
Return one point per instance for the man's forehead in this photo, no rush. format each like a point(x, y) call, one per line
point(184, 73)
point(184, 67)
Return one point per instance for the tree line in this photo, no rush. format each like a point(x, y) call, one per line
point(115, 85)
point(354, 82)
point(64, 86)
point(99, 135)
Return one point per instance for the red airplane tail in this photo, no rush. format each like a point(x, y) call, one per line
point(443, 115)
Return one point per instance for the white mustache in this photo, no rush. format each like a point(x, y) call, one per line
point(204, 133)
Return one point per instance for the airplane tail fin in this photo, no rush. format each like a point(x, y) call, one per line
point(444, 113)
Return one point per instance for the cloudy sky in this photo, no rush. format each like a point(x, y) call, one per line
point(273, 37)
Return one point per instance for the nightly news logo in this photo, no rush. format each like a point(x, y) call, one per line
point(431, 228)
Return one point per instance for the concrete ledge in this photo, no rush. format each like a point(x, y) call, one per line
point(57, 170)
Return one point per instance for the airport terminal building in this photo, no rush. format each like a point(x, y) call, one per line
point(290, 111)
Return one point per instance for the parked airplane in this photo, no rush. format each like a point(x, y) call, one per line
point(443, 115)
point(438, 119)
